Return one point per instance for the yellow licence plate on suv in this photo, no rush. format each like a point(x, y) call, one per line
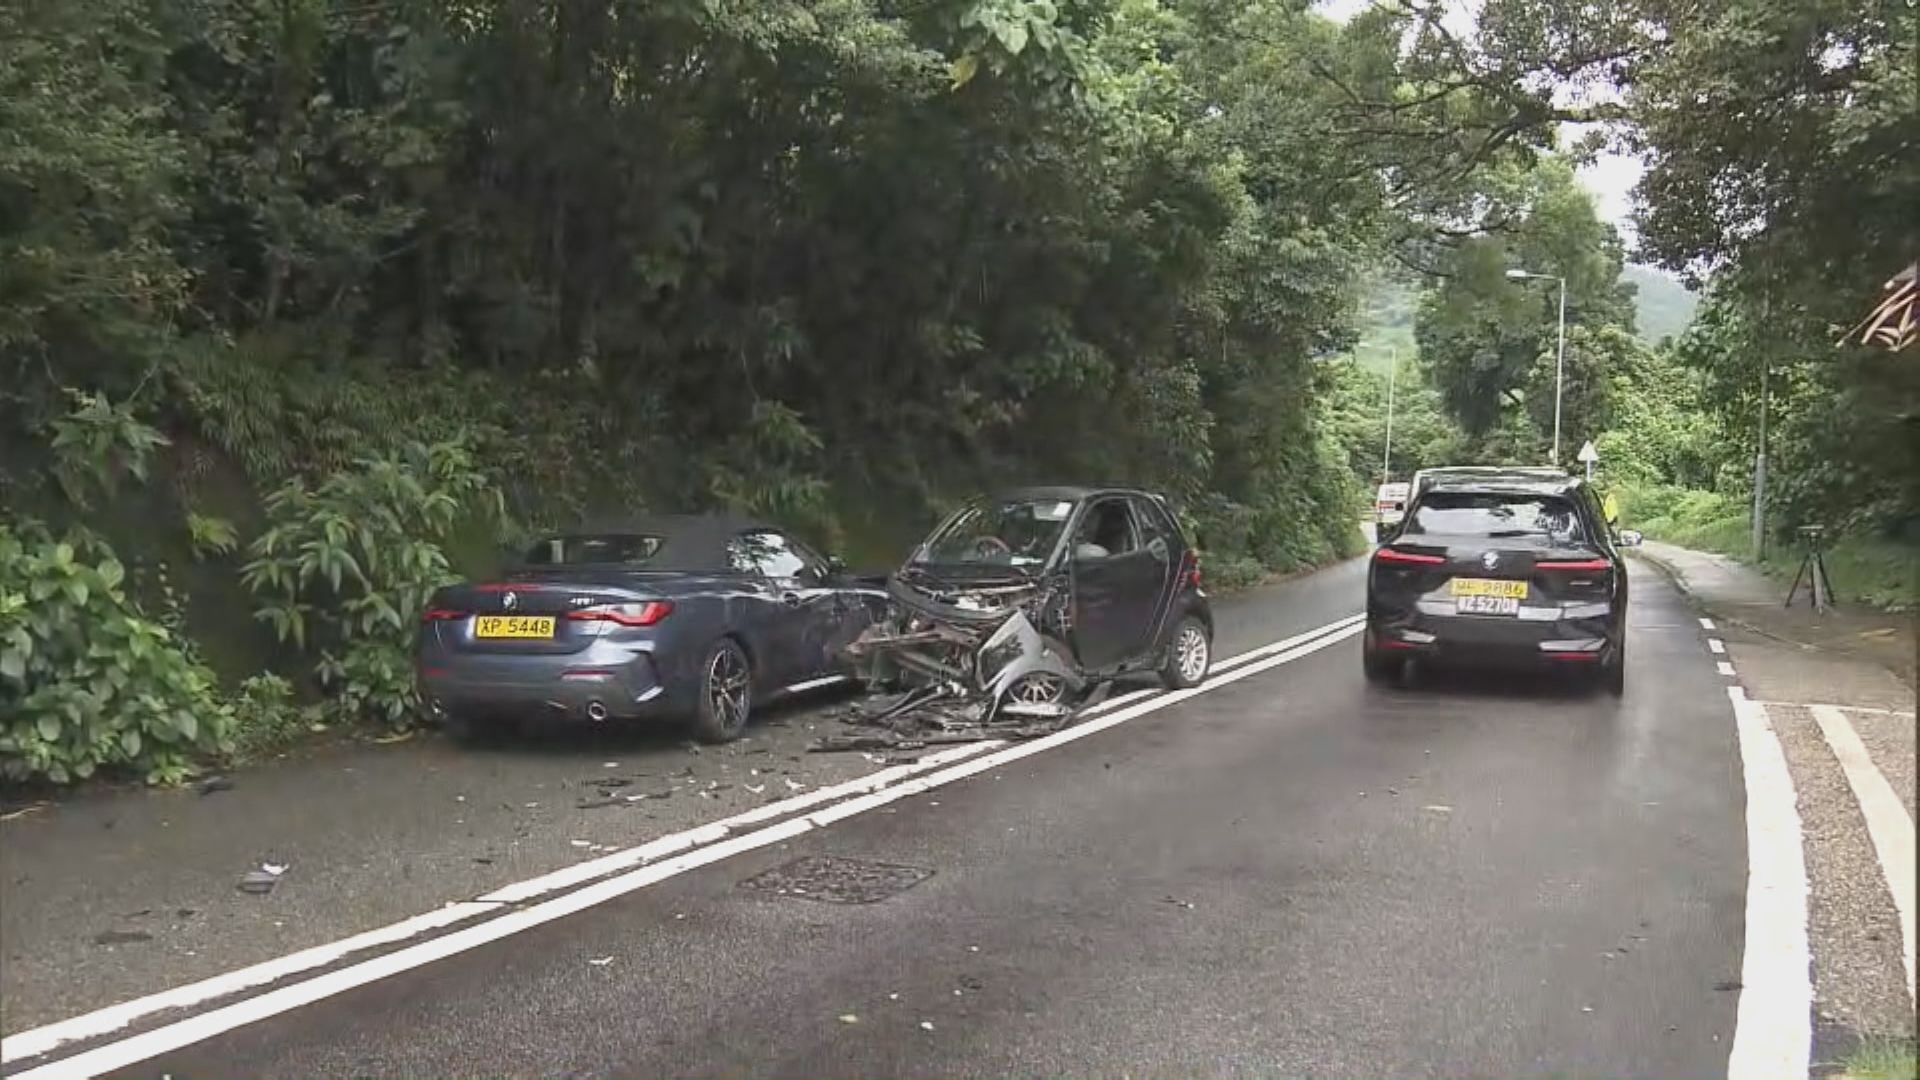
point(1468, 586)
point(513, 626)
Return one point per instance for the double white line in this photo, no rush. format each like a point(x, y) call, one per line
point(611, 876)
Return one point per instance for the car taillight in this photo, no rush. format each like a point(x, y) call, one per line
point(645, 614)
point(434, 614)
point(1395, 555)
point(1193, 569)
point(1577, 565)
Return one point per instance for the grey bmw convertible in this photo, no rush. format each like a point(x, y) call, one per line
point(673, 617)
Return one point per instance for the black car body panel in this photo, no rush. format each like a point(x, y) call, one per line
point(1086, 586)
point(629, 639)
point(1542, 583)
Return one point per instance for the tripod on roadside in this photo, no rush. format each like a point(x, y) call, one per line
point(1813, 567)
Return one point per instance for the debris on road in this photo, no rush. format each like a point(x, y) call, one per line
point(849, 1018)
point(23, 811)
point(121, 937)
point(602, 961)
point(261, 882)
point(1177, 902)
point(1438, 808)
point(926, 1025)
point(214, 784)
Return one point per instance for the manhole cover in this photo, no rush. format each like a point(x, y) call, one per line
point(836, 880)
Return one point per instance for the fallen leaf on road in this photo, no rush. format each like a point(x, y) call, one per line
point(398, 736)
point(795, 786)
point(849, 1018)
point(276, 869)
point(1438, 808)
point(893, 997)
point(121, 937)
point(609, 764)
point(22, 812)
point(755, 788)
point(215, 783)
point(581, 843)
point(926, 1025)
point(601, 961)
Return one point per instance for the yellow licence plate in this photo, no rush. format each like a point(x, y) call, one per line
point(1473, 586)
point(513, 626)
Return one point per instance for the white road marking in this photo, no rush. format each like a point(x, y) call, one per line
point(1887, 822)
point(1251, 655)
point(42, 1039)
point(1726, 669)
point(1716, 646)
point(1773, 1026)
point(1706, 624)
point(115, 1055)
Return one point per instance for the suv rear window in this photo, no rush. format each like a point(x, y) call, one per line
point(1495, 516)
point(610, 549)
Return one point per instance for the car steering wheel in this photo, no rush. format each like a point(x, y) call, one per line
point(988, 546)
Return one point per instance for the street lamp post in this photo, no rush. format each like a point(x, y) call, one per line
point(1560, 354)
point(1386, 455)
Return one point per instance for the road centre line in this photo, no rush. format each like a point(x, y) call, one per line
point(1716, 646)
point(688, 855)
point(1888, 825)
point(1706, 624)
point(1726, 669)
point(1773, 1026)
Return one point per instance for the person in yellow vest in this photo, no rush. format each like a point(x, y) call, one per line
point(1611, 507)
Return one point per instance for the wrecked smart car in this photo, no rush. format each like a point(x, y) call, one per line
point(1020, 605)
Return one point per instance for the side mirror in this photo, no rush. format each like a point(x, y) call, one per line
point(836, 564)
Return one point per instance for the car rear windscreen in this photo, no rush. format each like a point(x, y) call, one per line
point(599, 550)
point(1495, 516)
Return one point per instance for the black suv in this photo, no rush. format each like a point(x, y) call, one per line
point(1500, 569)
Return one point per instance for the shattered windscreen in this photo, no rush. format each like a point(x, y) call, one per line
point(1015, 533)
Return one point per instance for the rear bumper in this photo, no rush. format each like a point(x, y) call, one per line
point(582, 687)
point(1585, 641)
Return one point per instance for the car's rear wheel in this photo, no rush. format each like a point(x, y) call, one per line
point(1189, 655)
point(1379, 669)
point(1614, 678)
point(726, 693)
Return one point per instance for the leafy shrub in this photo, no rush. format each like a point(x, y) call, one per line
point(86, 681)
point(343, 569)
point(98, 441)
point(266, 717)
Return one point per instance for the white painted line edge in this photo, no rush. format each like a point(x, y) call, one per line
point(161, 1040)
point(1706, 624)
point(1888, 825)
point(114, 1017)
point(1726, 669)
point(815, 684)
point(1773, 1025)
point(1716, 646)
point(40, 1040)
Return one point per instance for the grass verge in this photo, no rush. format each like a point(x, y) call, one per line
point(1882, 1059)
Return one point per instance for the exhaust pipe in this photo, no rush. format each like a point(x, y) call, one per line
point(596, 711)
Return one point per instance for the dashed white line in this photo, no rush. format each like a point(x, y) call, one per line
point(1773, 1025)
point(1706, 624)
point(1716, 646)
point(1726, 669)
point(1887, 822)
point(161, 1040)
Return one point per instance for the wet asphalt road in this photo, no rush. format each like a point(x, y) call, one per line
point(1293, 874)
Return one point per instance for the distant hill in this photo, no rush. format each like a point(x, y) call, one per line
point(1662, 306)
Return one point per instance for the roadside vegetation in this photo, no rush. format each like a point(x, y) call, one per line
point(306, 308)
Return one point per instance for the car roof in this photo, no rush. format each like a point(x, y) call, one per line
point(688, 542)
point(1507, 484)
point(1066, 492)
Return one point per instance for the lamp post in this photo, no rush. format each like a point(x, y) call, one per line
point(1386, 455)
point(1560, 355)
